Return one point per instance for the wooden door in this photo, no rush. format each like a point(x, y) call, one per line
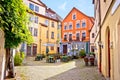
point(34, 49)
point(28, 50)
point(64, 49)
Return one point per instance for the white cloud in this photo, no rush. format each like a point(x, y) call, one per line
point(63, 6)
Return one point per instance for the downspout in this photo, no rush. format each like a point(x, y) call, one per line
point(100, 50)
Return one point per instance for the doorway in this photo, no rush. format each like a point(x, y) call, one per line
point(108, 53)
point(32, 50)
point(64, 49)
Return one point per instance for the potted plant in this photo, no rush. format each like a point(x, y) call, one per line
point(91, 59)
point(64, 58)
point(82, 53)
point(86, 60)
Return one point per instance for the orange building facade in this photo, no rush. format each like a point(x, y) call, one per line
point(76, 28)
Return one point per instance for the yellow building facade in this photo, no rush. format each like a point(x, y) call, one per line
point(48, 35)
point(108, 38)
point(43, 26)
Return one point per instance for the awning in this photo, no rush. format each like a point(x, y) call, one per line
point(48, 44)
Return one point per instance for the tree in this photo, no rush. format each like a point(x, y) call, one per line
point(13, 21)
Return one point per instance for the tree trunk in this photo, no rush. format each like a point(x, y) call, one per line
point(9, 66)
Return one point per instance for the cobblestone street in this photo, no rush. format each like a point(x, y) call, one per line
point(73, 70)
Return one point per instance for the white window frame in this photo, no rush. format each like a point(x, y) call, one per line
point(78, 21)
point(35, 33)
point(70, 23)
point(84, 32)
point(47, 22)
point(84, 21)
point(37, 7)
point(36, 19)
point(73, 16)
point(65, 24)
point(66, 35)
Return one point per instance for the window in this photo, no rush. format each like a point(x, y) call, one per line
point(93, 35)
point(83, 35)
point(58, 35)
point(65, 37)
point(65, 27)
point(36, 19)
point(46, 22)
point(74, 16)
point(47, 34)
point(59, 26)
point(36, 8)
point(78, 25)
point(52, 24)
point(78, 36)
point(52, 35)
point(31, 18)
point(70, 26)
point(30, 28)
point(35, 32)
point(31, 6)
point(52, 47)
point(83, 24)
point(70, 37)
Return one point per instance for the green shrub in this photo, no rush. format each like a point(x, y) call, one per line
point(82, 53)
point(18, 59)
point(22, 55)
point(64, 58)
point(91, 53)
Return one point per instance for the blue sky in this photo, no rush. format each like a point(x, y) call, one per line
point(63, 7)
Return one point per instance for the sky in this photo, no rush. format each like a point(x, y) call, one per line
point(63, 7)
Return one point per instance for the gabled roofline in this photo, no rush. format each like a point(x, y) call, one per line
point(78, 11)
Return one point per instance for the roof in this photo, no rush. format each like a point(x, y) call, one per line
point(38, 3)
point(78, 11)
point(50, 10)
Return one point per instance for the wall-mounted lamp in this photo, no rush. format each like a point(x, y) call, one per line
point(100, 44)
point(111, 45)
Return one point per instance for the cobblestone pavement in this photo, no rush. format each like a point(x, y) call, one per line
point(73, 70)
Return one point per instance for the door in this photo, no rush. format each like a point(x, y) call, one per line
point(28, 50)
point(58, 49)
point(34, 49)
point(64, 49)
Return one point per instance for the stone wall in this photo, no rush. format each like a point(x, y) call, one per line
point(2, 54)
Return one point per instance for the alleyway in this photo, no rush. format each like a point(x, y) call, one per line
point(40, 70)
